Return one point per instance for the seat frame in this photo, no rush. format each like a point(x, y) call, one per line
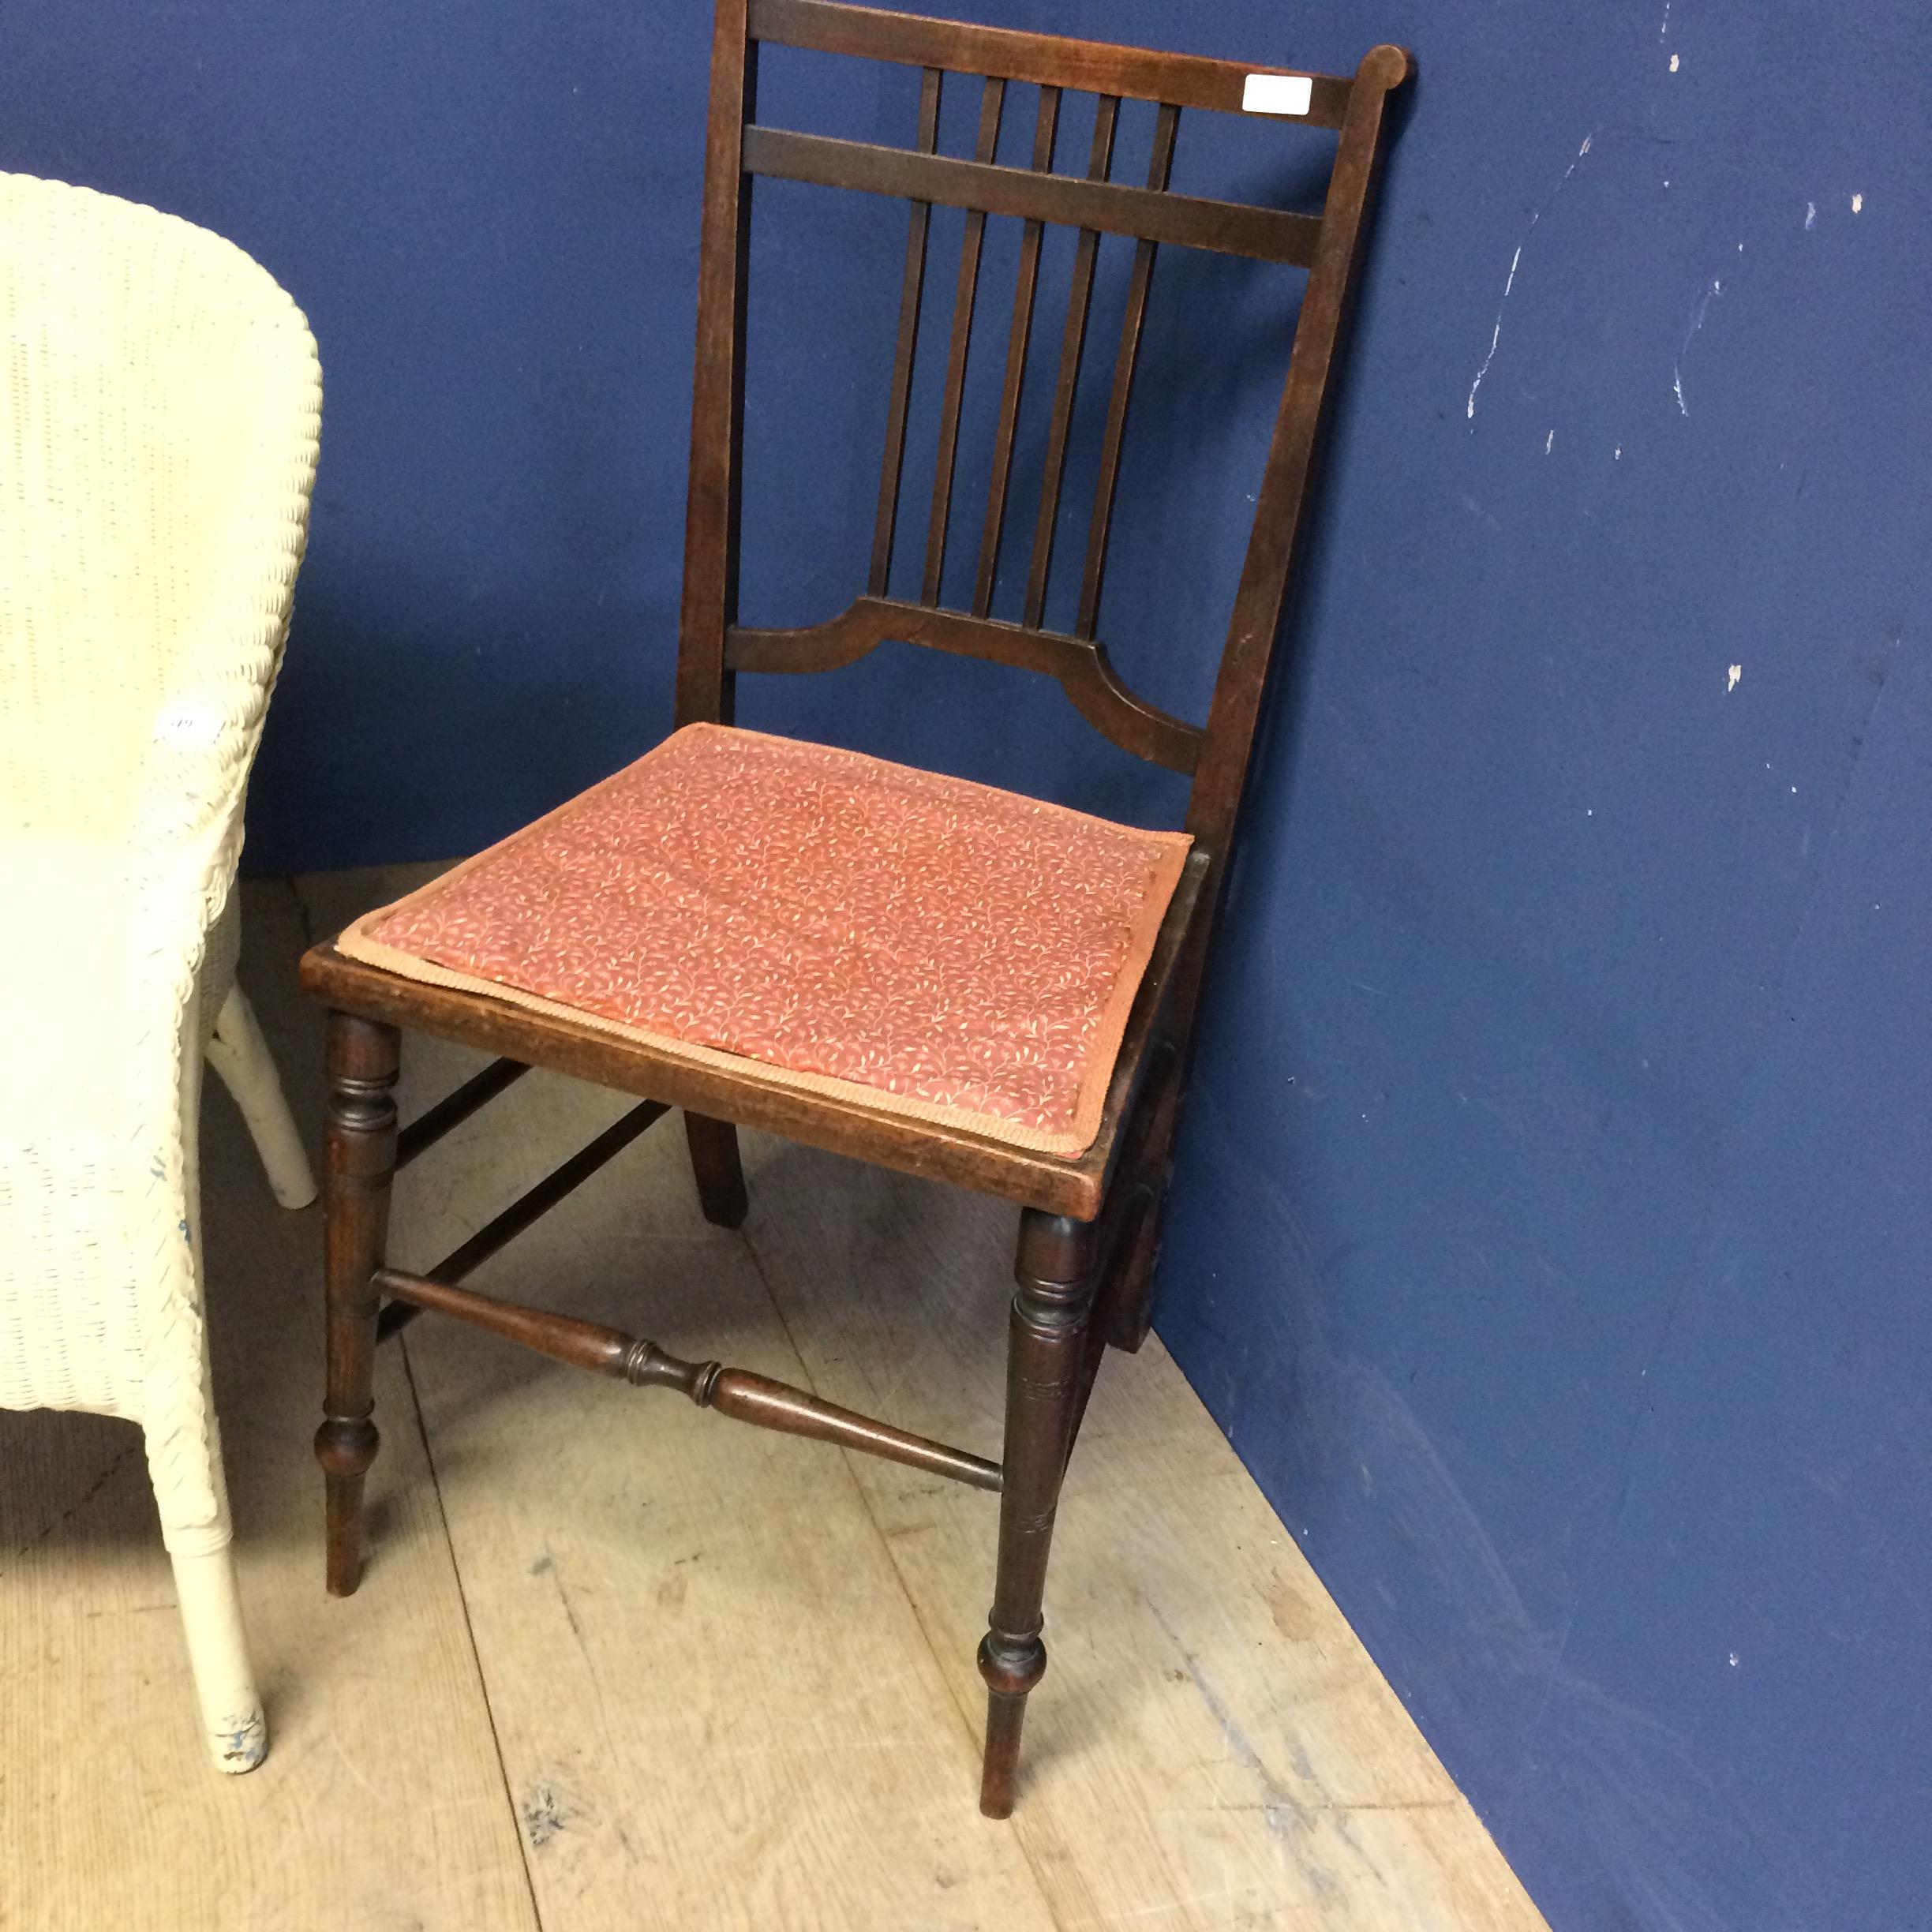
point(1090, 1224)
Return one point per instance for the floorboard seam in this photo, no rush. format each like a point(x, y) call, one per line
point(966, 1717)
point(475, 1655)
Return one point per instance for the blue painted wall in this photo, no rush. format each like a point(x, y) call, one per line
point(1550, 1235)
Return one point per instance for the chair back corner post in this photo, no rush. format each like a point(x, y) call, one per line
point(1220, 776)
point(709, 604)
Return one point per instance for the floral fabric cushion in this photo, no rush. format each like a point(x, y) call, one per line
point(934, 947)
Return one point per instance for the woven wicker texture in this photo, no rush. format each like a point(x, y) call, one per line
point(160, 408)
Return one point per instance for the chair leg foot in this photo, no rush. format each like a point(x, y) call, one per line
point(1046, 1352)
point(358, 1165)
point(211, 1607)
point(720, 1173)
point(1006, 1715)
point(345, 1447)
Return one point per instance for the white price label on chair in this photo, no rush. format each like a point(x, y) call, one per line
point(1277, 94)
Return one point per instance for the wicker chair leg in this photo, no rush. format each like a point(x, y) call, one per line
point(211, 1607)
point(183, 1441)
point(237, 1051)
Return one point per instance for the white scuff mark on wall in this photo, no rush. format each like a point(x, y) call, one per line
point(1496, 335)
point(1858, 204)
point(1673, 63)
point(1731, 677)
point(1697, 322)
point(1549, 443)
point(1509, 283)
point(1811, 216)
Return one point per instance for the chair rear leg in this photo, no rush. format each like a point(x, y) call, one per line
point(358, 1165)
point(1046, 1348)
point(721, 1175)
point(1132, 1314)
point(1130, 1304)
point(237, 1051)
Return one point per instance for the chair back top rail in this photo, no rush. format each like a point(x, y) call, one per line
point(1046, 60)
point(713, 647)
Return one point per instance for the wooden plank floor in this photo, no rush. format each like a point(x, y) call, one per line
point(618, 1663)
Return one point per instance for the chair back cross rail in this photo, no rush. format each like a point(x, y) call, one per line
point(1090, 1224)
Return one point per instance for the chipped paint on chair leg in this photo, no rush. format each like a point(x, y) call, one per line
point(204, 1580)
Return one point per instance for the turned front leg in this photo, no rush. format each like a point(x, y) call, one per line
point(1055, 1272)
point(359, 1162)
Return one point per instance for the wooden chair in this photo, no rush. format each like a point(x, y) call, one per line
point(1090, 1217)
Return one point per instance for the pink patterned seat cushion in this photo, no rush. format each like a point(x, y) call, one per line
point(928, 945)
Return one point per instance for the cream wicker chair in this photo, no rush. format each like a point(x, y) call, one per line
point(159, 401)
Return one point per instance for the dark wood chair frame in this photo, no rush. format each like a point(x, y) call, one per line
point(1090, 1225)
